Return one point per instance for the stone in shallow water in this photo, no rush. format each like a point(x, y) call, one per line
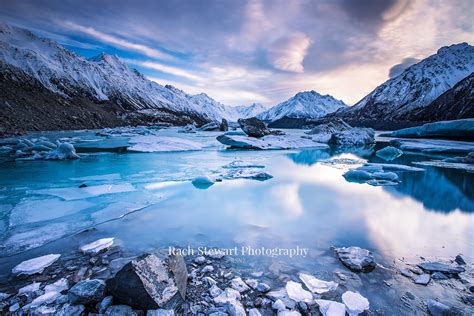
point(97, 246)
point(120, 310)
point(35, 265)
point(356, 258)
point(440, 267)
point(160, 312)
point(87, 292)
point(239, 285)
point(439, 309)
point(317, 286)
point(253, 127)
point(389, 153)
point(355, 303)
point(331, 308)
point(297, 293)
point(58, 286)
point(145, 283)
point(423, 279)
point(439, 276)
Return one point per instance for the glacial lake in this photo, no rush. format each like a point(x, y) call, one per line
point(146, 201)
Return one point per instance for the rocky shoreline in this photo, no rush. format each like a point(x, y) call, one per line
point(101, 279)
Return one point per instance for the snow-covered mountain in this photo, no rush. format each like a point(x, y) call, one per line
point(101, 79)
point(252, 110)
point(414, 88)
point(305, 105)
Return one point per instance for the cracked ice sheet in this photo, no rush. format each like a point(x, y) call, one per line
point(115, 211)
point(162, 144)
point(31, 211)
point(73, 193)
point(103, 177)
point(445, 164)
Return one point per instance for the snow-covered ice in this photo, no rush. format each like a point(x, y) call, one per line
point(97, 246)
point(355, 303)
point(269, 142)
point(33, 287)
point(317, 286)
point(116, 210)
point(162, 144)
point(58, 286)
point(331, 308)
point(103, 177)
point(297, 293)
point(247, 173)
point(35, 265)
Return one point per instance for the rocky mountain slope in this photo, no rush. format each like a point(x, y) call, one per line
point(396, 102)
point(37, 72)
point(304, 105)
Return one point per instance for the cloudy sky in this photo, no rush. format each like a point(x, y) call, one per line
point(245, 51)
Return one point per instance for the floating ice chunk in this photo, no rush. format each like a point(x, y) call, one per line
point(331, 308)
point(202, 182)
point(242, 164)
point(64, 151)
point(162, 144)
point(366, 173)
point(35, 265)
point(456, 129)
point(58, 286)
point(353, 137)
point(87, 192)
point(97, 246)
point(355, 303)
point(31, 211)
point(447, 165)
point(269, 142)
point(317, 286)
point(389, 153)
point(190, 128)
point(33, 287)
point(297, 293)
point(247, 173)
point(395, 167)
point(434, 145)
point(103, 177)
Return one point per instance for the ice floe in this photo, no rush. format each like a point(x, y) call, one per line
point(203, 182)
point(103, 177)
point(247, 173)
point(242, 164)
point(33, 287)
point(296, 292)
point(371, 174)
point(317, 286)
point(97, 246)
point(456, 129)
point(73, 193)
point(389, 153)
point(355, 303)
point(269, 142)
point(438, 146)
point(331, 308)
point(162, 144)
point(31, 211)
point(357, 137)
point(446, 164)
point(35, 265)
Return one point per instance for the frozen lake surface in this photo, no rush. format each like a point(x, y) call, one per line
point(147, 201)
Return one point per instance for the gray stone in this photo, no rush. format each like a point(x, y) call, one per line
point(160, 312)
point(439, 276)
point(356, 258)
point(263, 287)
point(253, 127)
point(423, 279)
point(104, 304)
point(120, 310)
point(87, 291)
point(145, 283)
point(180, 273)
point(68, 310)
point(407, 273)
point(440, 267)
point(439, 309)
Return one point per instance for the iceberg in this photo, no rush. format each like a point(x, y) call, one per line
point(97, 246)
point(389, 153)
point(456, 129)
point(269, 142)
point(355, 303)
point(371, 174)
point(35, 265)
point(247, 173)
point(434, 146)
point(203, 182)
point(64, 151)
point(356, 137)
point(149, 144)
point(297, 293)
point(317, 286)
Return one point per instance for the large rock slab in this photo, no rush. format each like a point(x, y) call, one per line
point(253, 127)
point(440, 267)
point(147, 283)
point(356, 258)
point(87, 292)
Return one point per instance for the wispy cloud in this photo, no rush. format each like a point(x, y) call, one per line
point(110, 39)
point(288, 52)
point(175, 71)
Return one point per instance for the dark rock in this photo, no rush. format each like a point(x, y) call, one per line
point(440, 267)
point(439, 276)
point(145, 283)
point(67, 310)
point(253, 127)
point(104, 304)
point(224, 127)
point(471, 289)
point(87, 291)
point(83, 185)
point(439, 309)
point(423, 279)
point(460, 260)
point(303, 307)
point(356, 258)
point(468, 299)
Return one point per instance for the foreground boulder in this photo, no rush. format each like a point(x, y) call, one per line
point(148, 283)
point(356, 258)
point(253, 127)
point(87, 292)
